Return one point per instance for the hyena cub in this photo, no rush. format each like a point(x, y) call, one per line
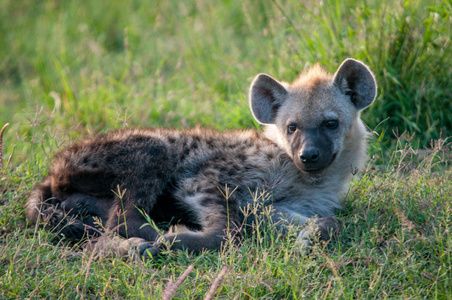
point(314, 141)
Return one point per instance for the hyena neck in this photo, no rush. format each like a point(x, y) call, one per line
point(355, 151)
point(351, 160)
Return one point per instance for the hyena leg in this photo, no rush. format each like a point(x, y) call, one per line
point(40, 200)
point(185, 239)
point(87, 215)
point(129, 221)
point(180, 237)
point(321, 229)
point(76, 217)
point(127, 230)
point(67, 216)
point(212, 213)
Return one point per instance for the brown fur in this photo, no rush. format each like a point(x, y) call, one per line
point(181, 177)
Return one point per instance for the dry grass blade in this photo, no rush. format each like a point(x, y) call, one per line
point(216, 283)
point(171, 288)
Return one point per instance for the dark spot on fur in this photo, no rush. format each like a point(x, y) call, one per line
point(140, 139)
point(210, 143)
point(193, 170)
point(185, 152)
point(211, 190)
point(232, 171)
point(211, 174)
point(241, 156)
point(269, 155)
point(206, 202)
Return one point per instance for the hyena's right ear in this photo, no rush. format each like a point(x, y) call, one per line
point(354, 79)
point(266, 96)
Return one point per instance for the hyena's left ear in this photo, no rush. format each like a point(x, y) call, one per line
point(266, 96)
point(353, 78)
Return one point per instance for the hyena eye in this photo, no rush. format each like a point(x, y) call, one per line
point(291, 128)
point(331, 124)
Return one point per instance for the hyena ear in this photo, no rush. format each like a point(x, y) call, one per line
point(266, 96)
point(353, 78)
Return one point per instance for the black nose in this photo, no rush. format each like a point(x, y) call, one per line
point(311, 155)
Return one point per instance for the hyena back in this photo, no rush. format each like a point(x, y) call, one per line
point(314, 141)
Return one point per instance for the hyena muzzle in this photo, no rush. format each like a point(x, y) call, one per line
point(313, 143)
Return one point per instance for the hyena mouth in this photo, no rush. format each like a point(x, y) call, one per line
point(315, 169)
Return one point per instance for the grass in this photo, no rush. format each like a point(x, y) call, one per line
point(69, 71)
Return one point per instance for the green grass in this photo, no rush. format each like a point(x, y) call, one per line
point(70, 70)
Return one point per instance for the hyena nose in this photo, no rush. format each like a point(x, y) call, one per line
point(311, 155)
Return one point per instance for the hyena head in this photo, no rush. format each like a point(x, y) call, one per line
point(317, 117)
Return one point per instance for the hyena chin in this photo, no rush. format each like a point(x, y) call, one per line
point(313, 143)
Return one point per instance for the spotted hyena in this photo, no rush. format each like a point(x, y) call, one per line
point(313, 142)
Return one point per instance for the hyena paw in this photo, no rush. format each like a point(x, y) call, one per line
point(304, 241)
point(113, 246)
point(317, 230)
point(145, 251)
point(109, 245)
